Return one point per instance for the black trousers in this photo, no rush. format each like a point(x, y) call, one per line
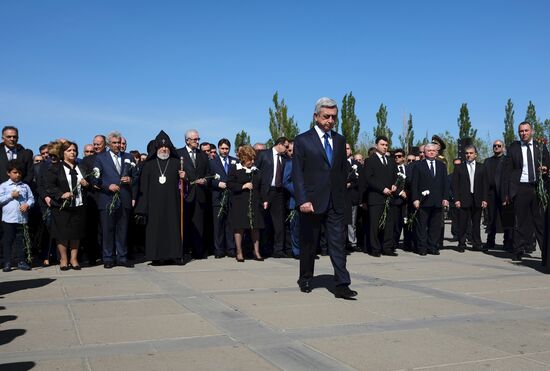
point(13, 237)
point(193, 229)
point(428, 228)
point(380, 239)
point(310, 229)
point(465, 216)
point(399, 212)
point(529, 219)
point(224, 239)
point(494, 214)
point(276, 214)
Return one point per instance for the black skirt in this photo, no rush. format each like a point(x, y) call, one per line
point(69, 223)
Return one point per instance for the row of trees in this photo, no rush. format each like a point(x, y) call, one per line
point(283, 124)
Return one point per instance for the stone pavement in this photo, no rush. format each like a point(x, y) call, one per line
point(470, 311)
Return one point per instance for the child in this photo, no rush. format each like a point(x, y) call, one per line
point(15, 199)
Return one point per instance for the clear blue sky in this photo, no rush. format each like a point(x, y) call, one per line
point(78, 68)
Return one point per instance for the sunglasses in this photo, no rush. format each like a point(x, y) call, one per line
point(398, 156)
point(497, 145)
point(410, 160)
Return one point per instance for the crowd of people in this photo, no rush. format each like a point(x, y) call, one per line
point(297, 199)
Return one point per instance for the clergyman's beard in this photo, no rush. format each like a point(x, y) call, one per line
point(163, 156)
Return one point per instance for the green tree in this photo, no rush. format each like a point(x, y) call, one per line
point(451, 150)
point(382, 127)
point(241, 138)
point(280, 124)
point(407, 139)
point(531, 116)
point(546, 128)
point(350, 122)
point(464, 124)
point(509, 133)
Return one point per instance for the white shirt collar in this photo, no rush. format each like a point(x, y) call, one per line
point(321, 133)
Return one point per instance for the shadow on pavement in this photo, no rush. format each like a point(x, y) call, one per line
point(12, 286)
point(17, 366)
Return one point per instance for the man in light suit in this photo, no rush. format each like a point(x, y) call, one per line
point(524, 167)
point(116, 170)
point(429, 175)
point(319, 175)
point(470, 196)
point(224, 242)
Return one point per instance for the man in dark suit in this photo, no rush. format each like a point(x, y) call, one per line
point(114, 200)
point(224, 242)
point(272, 163)
point(525, 167)
point(195, 165)
point(380, 175)
point(319, 174)
point(12, 150)
point(494, 167)
point(399, 201)
point(470, 197)
point(430, 193)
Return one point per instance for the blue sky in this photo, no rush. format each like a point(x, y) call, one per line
point(78, 68)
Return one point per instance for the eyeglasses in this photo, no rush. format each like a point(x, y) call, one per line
point(194, 139)
point(11, 136)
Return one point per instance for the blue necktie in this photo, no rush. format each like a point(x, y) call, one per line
point(225, 166)
point(328, 149)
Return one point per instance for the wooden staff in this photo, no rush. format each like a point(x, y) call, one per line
point(182, 194)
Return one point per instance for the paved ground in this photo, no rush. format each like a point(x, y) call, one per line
point(455, 311)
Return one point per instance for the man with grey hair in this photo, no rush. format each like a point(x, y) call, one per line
point(195, 165)
point(430, 193)
point(116, 173)
point(258, 147)
point(319, 173)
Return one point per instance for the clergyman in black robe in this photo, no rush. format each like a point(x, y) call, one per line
point(159, 201)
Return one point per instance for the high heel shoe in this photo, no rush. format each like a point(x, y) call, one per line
point(258, 258)
point(64, 267)
point(240, 260)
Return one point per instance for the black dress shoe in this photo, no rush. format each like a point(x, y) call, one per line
point(389, 253)
point(433, 252)
point(64, 267)
point(461, 248)
point(126, 264)
point(517, 256)
point(305, 287)
point(108, 265)
point(375, 254)
point(279, 255)
point(422, 253)
point(76, 267)
point(219, 256)
point(344, 292)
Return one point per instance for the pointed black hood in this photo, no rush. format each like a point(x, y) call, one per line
point(161, 140)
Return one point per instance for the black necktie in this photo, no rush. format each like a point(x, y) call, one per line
point(74, 181)
point(401, 169)
point(279, 172)
point(530, 168)
point(384, 161)
point(432, 169)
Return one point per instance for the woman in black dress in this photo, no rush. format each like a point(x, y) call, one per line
point(65, 185)
point(246, 209)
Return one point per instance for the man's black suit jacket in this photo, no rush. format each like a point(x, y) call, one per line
point(461, 185)
point(264, 162)
point(422, 180)
point(24, 157)
point(216, 167)
point(200, 170)
point(513, 167)
point(315, 180)
point(379, 176)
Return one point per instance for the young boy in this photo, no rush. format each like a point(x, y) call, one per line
point(15, 199)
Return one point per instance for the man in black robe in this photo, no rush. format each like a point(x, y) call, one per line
point(159, 201)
